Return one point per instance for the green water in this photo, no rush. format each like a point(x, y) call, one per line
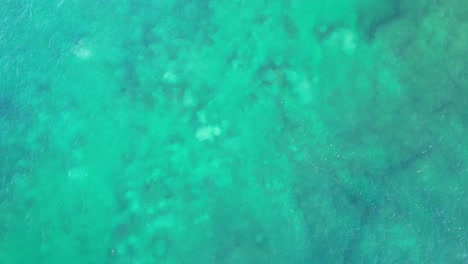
point(281, 131)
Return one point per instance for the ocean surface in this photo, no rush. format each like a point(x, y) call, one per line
point(233, 132)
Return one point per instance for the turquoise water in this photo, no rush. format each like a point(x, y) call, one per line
point(172, 131)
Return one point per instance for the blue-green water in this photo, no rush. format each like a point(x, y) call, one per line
point(177, 131)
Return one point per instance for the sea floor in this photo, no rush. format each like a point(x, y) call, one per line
point(281, 131)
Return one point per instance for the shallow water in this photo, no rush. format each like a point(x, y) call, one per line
point(205, 131)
